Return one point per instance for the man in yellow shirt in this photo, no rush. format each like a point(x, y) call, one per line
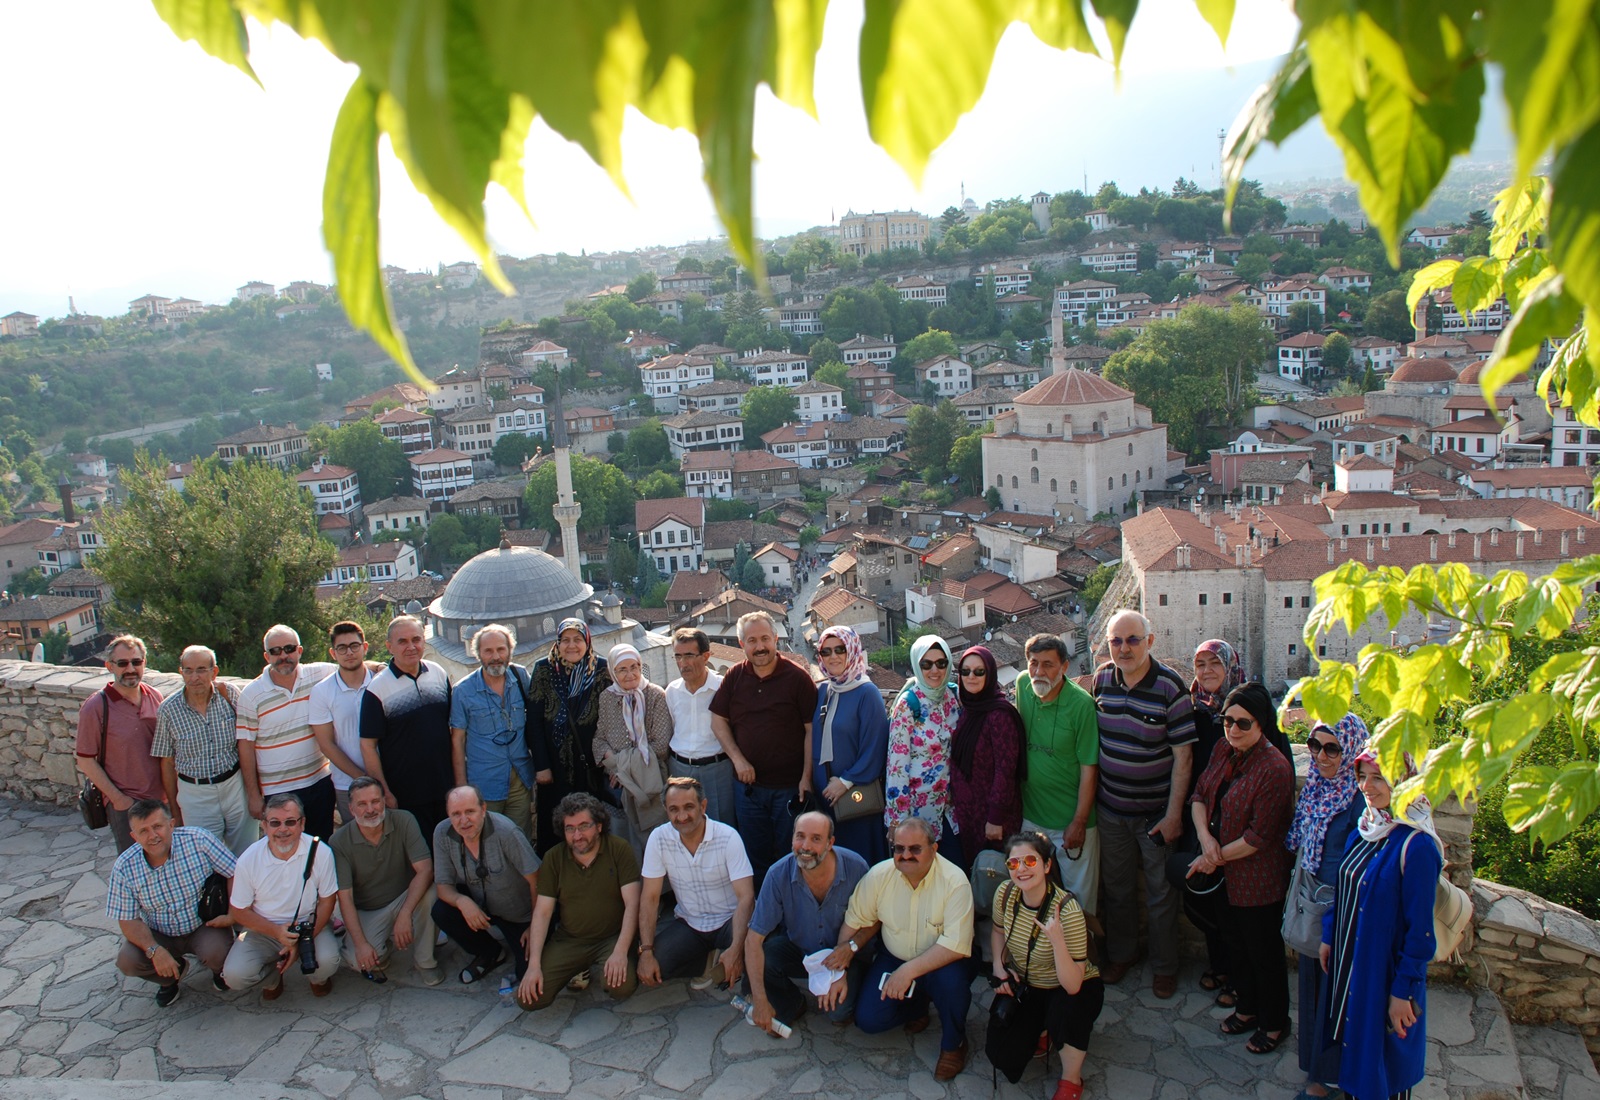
point(922, 905)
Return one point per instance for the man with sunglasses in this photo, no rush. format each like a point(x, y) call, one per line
point(1147, 735)
point(488, 713)
point(335, 711)
point(116, 729)
point(278, 753)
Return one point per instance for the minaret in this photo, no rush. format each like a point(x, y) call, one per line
point(567, 509)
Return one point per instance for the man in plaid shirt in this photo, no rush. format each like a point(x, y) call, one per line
point(197, 745)
point(154, 895)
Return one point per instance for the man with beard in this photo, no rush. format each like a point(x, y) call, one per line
point(278, 753)
point(336, 710)
point(1063, 754)
point(761, 715)
point(385, 872)
point(116, 728)
point(405, 727)
point(488, 713)
point(593, 878)
point(800, 912)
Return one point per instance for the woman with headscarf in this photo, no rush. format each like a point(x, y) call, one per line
point(1325, 815)
point(849, 738)
point(631, 736)
point(921, 724)
point(1241, 809)
point(1377, 940)
point(986, 758)
point(564, 688)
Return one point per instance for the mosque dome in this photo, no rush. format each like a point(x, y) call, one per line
point(525, 588)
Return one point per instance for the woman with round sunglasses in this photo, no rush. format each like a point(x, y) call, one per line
point(921, 724)
point(1377, 940)
point(1040, 947)
point(986, 757)
point(849, 738)
point(1326, 813)
point(1241, 808)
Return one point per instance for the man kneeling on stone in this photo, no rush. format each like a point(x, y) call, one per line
point(385, 873)
point(798, 913)
point(154, 895)
point(594, 879)
point(282, 897)
point(487, 876)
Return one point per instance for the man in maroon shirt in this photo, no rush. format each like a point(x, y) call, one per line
point(762, 718)
point(119, 724)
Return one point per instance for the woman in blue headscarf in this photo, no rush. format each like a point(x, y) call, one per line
point(849, 738)
point(564, 688)
point(922, 724)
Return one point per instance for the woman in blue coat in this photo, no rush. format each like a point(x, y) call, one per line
point(1377, 941)
point(850, 738)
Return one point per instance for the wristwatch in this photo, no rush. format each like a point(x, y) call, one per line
point(150, 952)
point(853, 946)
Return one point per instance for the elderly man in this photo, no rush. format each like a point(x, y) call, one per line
point(116, 727)
point(923, 906)
point(594, 880)
point(385, 872)
point(487, 877)
point(335, 710)
point(198, 748)
point(283, 892)
point(704, 863)
point(1147, 740)
point(799, 912)
point(762, 717)
point(278, 753)
point(405, 727)
point(488, 714)
point(1062, 744)
point(695, 749)
point(154, 895)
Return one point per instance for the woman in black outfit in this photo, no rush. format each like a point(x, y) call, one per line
point(564, 688)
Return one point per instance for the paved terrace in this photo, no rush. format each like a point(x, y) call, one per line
point(72, 1026)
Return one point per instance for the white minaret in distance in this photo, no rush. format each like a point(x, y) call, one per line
point(567, 509)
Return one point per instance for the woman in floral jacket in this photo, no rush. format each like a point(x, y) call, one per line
point(921, 725)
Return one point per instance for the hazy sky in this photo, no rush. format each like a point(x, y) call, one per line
point(139, 164)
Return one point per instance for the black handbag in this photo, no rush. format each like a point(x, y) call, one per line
point(213, 898)
point(91, 803)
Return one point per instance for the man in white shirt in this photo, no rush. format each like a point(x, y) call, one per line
point(695, 750)
point(706, 864)
point(277, 752)
point(284, 882)
point(336, 710)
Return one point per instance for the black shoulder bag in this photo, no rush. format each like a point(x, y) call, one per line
point(92, 803)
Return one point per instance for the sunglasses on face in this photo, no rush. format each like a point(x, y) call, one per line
point(282, 822)
point(1029, 860)
point(1244, 725)
point(929, 666)
point(1326, 748)
point(974, 673)
point(832, 651)
point(912, 850)
point(283, 650)
point(129, 662)
point(1129, 642)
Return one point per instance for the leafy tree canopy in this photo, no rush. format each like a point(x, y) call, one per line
point(379, 462)
point(930, 345)
point(604, 491)
point(765, 408)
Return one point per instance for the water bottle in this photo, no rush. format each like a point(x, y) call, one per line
point(741, 1004)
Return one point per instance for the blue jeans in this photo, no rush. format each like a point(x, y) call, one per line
point(766, 825)
point(949, 987)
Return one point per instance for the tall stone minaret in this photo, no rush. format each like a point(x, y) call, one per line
point(567, 509)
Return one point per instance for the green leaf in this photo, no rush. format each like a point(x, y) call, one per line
point(1549, 51)
point(1527, 795)
point(1547, 609)
point(1380, 677)
point(799, 37)
point(1507, 726)
point(1581, 684)
point(1546, 311)
point(1326, 697)
point(350, 224)
point(1548, 804)
point(507, 167)
point(215, 25)
point(1575, 217)
point(1555, 667)
point(1117, 15)
point(1477, 284)
point(1520, 213)
point(1435, 275)
point(1531, 266)
point(1219, 13)
point(1276, 110)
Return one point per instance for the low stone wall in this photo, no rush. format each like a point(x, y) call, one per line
point(1541, 959)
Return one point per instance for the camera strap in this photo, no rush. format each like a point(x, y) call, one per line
point(305, 877)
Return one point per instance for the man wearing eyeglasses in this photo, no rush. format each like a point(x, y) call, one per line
point(694, 747)
point(1147, 737)
point(278, 753)
point(335, 710)
point(196, 744)
point(488, 713)
point(116, 728)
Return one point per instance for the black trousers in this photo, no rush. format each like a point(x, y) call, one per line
point(1260, 971)
point(318, 801)
point(475, 943)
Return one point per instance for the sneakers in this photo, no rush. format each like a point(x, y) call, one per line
point(714, 975)
point(166, 994)
point(430, 975)
point(217, 983)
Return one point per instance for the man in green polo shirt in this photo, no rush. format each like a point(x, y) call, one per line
point(594, 877)
point(386, 893)
point(1063, 746)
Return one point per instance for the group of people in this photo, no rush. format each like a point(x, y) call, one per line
point(804, 832)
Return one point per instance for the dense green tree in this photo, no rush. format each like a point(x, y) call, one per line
point(966, 461)
point(604, 491)
point(765, 408)
point(751, 578)
point(56, 643)
point(659, 485)
point(513, 448)
point(379, 462)
point(1387, 316)
point(991, 497)
point(647, 446)
point(641, 286)
point(930, 345)
point(853, 312)
point(30, 582)
point(1336, 355)
point(622, 561)
point(930, 435)
point(236, 552)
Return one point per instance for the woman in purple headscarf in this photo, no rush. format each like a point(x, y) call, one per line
point(849, 737)
point(986, 757)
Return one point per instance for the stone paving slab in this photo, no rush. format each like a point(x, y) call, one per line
point(72, 1026)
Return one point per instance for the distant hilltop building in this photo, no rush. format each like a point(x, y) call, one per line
point(869, 234)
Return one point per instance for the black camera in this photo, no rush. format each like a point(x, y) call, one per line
point(306, 945)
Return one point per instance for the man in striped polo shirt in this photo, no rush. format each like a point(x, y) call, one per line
point(278, 753)
point(1146, 754)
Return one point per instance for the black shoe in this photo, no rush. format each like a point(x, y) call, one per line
point(217, 983)
point(166, 994)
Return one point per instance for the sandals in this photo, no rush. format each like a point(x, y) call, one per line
point(1211, 981)
point(1233, 1025)
point(1264, 1043)
point(481, 965)
point(1226, 997)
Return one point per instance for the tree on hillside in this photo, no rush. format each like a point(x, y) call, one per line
point(966, 461)
point(647, 446)
point(1387, 316)
point(765, 408)
point(641, 286)
point(1336, 355)
point(852, 311)
point(233, 554)
point(835, 373)
point(379, 462)
point(930, 435)
point(514, 448)
point(659, 485)
point(930, 345)
point(604, 491)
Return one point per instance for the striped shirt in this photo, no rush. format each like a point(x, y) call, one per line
point(702, 880)
point(167, 898)
point(201, 745)
point(278, 722)
point(1029, 949)
point(1140, 725)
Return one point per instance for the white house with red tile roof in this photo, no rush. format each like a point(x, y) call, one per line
point(334, 489)
point(672, 531)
